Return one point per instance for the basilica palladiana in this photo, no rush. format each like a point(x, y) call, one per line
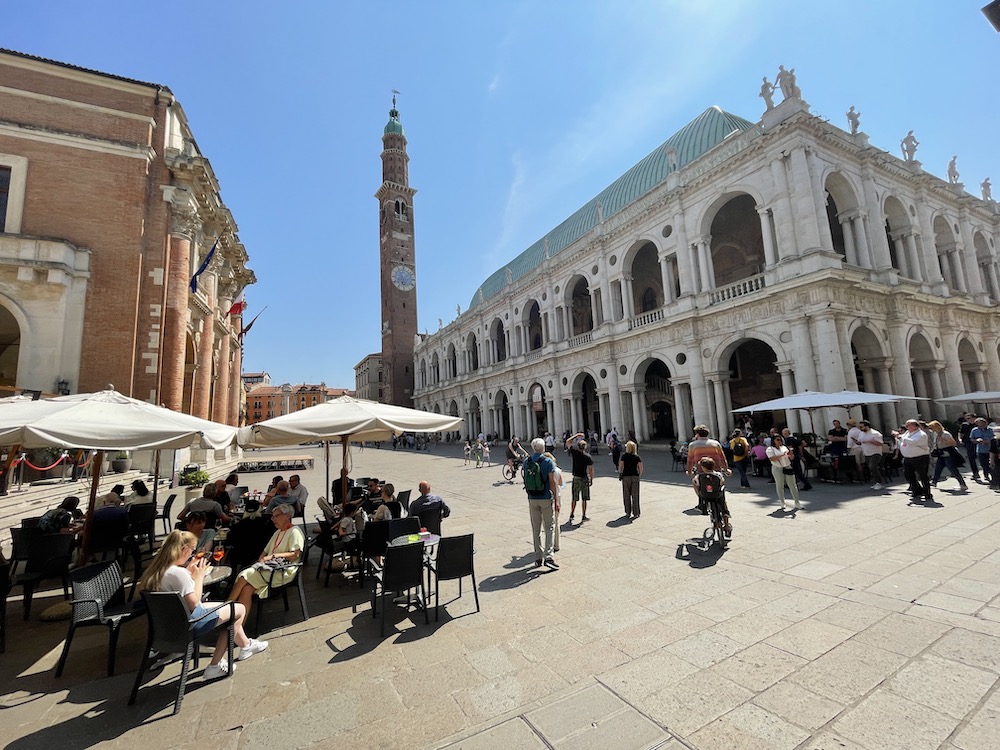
point(738, 262)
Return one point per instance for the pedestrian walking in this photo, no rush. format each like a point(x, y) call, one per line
point(781, 468)
point(629, 471)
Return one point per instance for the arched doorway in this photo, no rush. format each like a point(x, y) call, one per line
point(538, 418)
point(659, 400)
point(10, 349)
point(753, 377)
point(502, 410)
point(475, 424)
point(589, 404)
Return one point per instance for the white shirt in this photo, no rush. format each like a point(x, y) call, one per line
point(782, 453)
point(913, 444)
point(298, 494)
point(853, 443)
point(871, 442)
point(178, 579)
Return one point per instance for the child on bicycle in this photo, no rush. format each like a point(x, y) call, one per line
point(710, 487)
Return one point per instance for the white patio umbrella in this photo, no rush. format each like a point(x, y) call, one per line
point(343, 420)
point(976, 397)
point(811, 400)
point(105, 420)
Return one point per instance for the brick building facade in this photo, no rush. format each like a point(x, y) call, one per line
point(267, 401)
point(108, 209)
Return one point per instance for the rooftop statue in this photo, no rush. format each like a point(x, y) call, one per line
point(786, 82)
point(909, 146)
point(953, 171)
point(854, 119)
point(767, 94)
point(987, 189)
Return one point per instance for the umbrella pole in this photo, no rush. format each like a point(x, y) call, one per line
point(156, 475)
point(326, 456)
point(95, 479)
point(343, 471)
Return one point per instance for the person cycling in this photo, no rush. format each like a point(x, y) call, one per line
point(705, 467)
point(515, 452)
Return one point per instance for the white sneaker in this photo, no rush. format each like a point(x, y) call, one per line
point(254, 647)
point(215, 671)
point(876, 486)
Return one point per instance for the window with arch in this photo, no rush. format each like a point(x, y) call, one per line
point(402, 211)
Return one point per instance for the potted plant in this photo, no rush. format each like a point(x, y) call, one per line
point(121, 462)
point(193, 477)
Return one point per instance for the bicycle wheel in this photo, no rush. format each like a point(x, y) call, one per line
point(508, 473)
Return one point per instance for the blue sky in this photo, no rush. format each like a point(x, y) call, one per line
point(516, 114)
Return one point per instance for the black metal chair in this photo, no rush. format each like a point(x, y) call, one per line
point(430, 519)
point(283, 586)
point(98, 599)
point(677, 460)
point(373, 544)
point(142, 522)
point(171, 632)
point(402, 570)
point(108, 535)
point(165, 514)
point(48, 557)
point(5, 569)
point(454, 561)
point(403, 498)
point(403, 526)
point(30, 523)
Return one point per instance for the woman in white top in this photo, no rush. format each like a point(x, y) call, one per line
point(781, 467)
point(139, 495)
point(175, 569)
point(558, 497)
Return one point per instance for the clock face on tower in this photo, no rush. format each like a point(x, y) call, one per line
point(403, 278)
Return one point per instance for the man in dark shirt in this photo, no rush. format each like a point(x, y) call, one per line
point(838, 447)
point(583, 473)
point(427, 501)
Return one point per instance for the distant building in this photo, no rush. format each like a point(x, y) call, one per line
point(368, 377)
point(267, 401)
point(107, 210)
point(738, 262)
point(253, 379)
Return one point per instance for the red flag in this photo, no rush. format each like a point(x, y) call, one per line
point(238, 308)
point(246, 330)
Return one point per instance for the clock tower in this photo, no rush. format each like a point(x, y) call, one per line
point(397, 266)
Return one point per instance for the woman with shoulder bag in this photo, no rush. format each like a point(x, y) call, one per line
point(740, 449)
point(781, 468)
point(944, 451)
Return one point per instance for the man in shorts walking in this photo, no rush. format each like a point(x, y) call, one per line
point(583, 473)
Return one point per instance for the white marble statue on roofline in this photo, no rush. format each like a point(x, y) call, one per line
point(953, 170)
point(909, 146)
point(987, 189)
point(854, 120)
point(786, 82)
point(767, 94)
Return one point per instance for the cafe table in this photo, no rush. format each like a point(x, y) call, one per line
point(430, 541)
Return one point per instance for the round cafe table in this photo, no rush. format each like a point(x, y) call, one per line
point(217, 574)
point(429, 541)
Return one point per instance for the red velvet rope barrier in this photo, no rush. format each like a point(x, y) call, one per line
point(39, 468)
point(86, 463)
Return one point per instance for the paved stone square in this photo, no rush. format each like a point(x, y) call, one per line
point(861, 622)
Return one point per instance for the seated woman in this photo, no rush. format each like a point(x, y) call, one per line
point(286, 544)
point(140, 494)
point(390, 507)
point(174, 569)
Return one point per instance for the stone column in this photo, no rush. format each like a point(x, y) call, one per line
point(220, 404)
point(933, 276)
point(602, 408)
point(784, 218)
point(184, 225)
point(595, 306)
point(967, 250)
point(699, 388)
point(638, 417)
point(685, 261)
point(803, 355)
point(917, 259)
point(901, 255)
point(804, 201)
point(876, 221)
point(898, 344)
point(615, 401)
point(236, 391)
point(830, 353)
point(607, 308)
point(788, 389)
point(952, 366)
point(864, 249)
point(628, 302)
point(666, 278)
point(705, 263)
point(682, 398)
point(850, 251)
point(770, 255)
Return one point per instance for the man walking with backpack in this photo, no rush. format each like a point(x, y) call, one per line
point(543, 502)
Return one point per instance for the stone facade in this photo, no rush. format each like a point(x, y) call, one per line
point(789, 255)
point(267, 401)
point(110, 211)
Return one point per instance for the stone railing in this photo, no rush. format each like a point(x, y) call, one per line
point(583, 338)
point(741, 288)
point(533, 355)
point(645, 319)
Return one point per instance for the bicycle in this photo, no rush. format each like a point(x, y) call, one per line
point(718, 525)
point(509, 472)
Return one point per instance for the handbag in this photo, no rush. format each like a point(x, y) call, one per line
point(937, 453)
point(956, 455)
point(787, 470)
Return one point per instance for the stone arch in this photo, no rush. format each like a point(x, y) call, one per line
point(578, 305)
point(501, 407)
point(423, 372)
point(923, 366)
point(475, 423)
point(653, 376)
point(643, 266)
point(435, 369)
point(13, 327)
point(987, 266)
point(841, 207)
point(472, 352)
point(537, 408)
point(453, 408)
point(531, 319)
point(451, 363)
point(751, 364)
point(737, 244)
point(584, 390)
point(970, 366)
point(898, 225)
point(949, 261)
point(868, 358)
point(498, 336)
point(190, 366)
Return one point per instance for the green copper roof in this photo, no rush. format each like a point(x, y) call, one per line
point(394, 125)
point(706, 131)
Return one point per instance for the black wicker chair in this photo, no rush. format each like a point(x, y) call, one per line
point(21, 539)
point(373, 543)
point(402, 570)
point(48, 557)
point(430, 519)
point(98, 599)
point(403, 498)
point(4, 591)
point(454, 561)
point(403, 526)
point(165, 514)
point(283, 586)
point(171, 632)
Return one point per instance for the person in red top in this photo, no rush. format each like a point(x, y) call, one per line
point(704, 447)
